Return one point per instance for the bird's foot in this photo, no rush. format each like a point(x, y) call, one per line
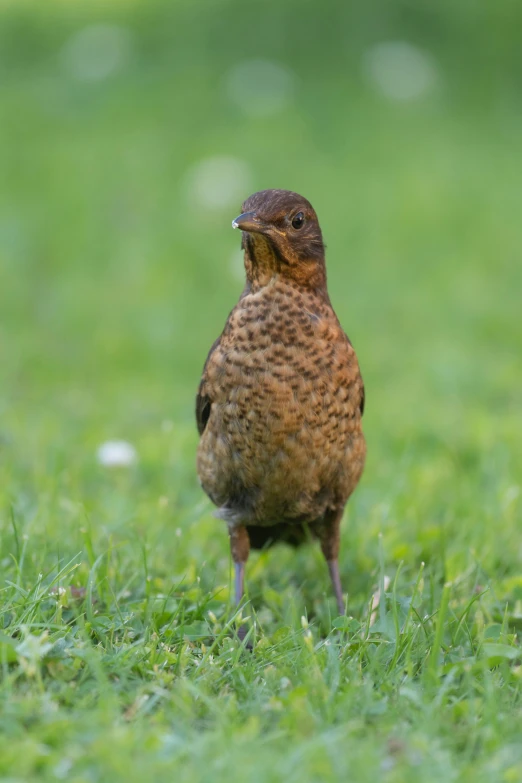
point(242, 633)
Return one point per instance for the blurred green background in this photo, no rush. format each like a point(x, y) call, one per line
point(130, 133)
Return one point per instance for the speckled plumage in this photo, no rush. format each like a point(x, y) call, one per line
point(281, 398)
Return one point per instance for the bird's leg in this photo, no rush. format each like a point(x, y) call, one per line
point(240, 549)
point(239, 581)
point(330, 537)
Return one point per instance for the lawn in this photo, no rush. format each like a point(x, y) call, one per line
point(129, 135)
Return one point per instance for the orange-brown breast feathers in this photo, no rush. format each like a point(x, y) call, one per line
point(279, 408)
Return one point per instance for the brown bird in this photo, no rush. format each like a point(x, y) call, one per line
point(280, 402)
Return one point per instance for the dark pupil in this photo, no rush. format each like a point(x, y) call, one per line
point(298, 220)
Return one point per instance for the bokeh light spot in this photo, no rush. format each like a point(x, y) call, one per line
point(260, 87)
point(400, 70)
point(97, 51)
point(219, 182)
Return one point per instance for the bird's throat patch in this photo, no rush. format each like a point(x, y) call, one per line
point(262, 261)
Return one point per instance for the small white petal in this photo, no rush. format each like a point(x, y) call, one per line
point(116, 454)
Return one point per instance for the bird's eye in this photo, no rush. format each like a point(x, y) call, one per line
point(298, 220)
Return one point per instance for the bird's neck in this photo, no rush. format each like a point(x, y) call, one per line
point(261, 262)
point(262, 265)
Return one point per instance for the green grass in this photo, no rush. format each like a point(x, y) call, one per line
point(113, 285)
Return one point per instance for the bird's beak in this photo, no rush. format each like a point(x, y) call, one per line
point(248, 222)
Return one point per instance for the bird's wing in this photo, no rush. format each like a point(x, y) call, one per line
point(203, 401)
point(363, 393)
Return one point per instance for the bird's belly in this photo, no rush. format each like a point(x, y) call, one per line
point(288, 451)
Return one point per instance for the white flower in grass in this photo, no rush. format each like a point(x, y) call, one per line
point(117, 454)
point(96, 51)
point(399, 70)
point(32, 650)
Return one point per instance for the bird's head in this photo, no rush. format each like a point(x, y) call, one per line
point(281, 236)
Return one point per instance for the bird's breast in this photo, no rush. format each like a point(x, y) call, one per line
point(284, 342)
point(284, 382)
